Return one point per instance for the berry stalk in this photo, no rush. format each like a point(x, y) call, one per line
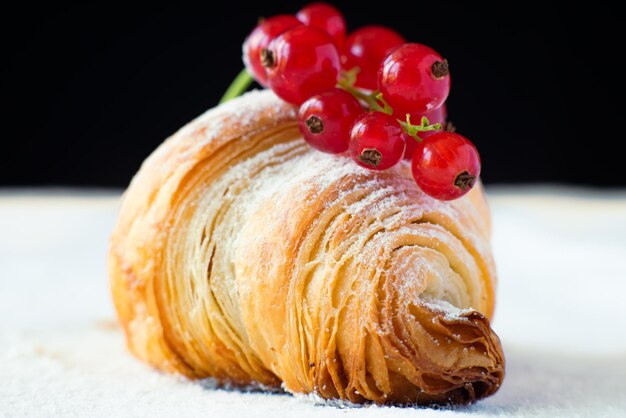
point(347, 79)
point(424, 126)
point(239, 85)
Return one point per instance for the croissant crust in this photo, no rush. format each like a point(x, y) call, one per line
point(242, 254)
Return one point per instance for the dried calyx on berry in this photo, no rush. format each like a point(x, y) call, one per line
point(465, 180)
point(267, 58)
point(363, 100)
point(314, 124)
point(370, 157)
point(440, 69)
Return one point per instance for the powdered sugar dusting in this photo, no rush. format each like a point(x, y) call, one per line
point(244, 110)
point(449, 311)
point(293, 165)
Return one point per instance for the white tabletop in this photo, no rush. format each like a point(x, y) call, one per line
point(561, 257)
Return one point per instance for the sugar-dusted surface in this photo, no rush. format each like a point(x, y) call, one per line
point(561, 259)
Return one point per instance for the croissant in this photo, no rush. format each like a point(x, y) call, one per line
point(243, 254)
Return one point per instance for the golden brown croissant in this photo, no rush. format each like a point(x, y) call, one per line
point(243, 254)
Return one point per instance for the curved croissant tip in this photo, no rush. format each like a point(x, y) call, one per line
point(483, 371)
point(441, 358)
point(479, 365)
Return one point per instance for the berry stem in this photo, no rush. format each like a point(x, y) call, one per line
point(367, 98)
point(412, 130)
point(373, 100)
point(238, 86)
point(378, 96)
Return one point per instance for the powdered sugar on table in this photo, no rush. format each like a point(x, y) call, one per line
point(561, 263)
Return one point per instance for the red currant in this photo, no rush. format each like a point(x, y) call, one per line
point(325, 120)
point(376, 141)
point(260, 38)
point(327, 18)
point(414, 79)
point(445, 165)
point(300, 63)
point(438, 115)
point(366, 48)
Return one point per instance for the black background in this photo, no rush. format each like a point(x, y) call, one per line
point(89, 92)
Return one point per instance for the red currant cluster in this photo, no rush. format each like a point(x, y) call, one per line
point(359, 93)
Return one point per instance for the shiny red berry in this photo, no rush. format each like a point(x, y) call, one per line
point(325, 120)
point(260, 38)
point(376, 141)
point(300, 63)
point(438, 115)
point(446, 165)
point(366, 48)
point(325, 17)
point(414, 79)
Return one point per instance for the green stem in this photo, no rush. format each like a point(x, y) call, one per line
point(413, 130)
point(373, 100)
point(238, 86)
point(378, 96)
point(367, 98)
